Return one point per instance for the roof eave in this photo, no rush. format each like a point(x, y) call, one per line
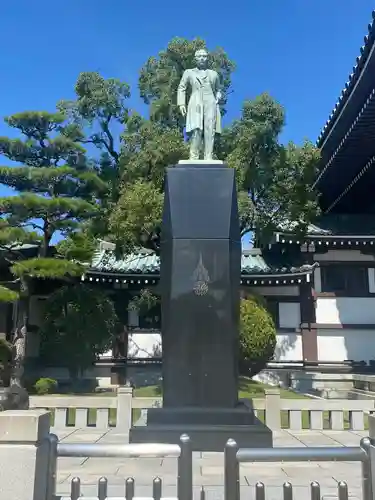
point(348, 91)
point(100, 276)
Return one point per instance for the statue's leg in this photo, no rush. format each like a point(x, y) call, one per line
point(209, 130)
point(195, 144)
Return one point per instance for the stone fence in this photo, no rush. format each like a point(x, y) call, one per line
point(122, 409)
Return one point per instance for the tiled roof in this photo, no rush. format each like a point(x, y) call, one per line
point(253, 262)
point(146, 262)
point(340, 225)
point(365, 52)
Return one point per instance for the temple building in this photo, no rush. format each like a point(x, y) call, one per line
point(320, 290)
point(282, 278)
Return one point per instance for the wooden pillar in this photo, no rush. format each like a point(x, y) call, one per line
point(120, 351)
point(308, 323)
point(308, 317)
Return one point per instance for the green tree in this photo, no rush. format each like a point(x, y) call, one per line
point(147, 149)
point(257, 336)
point(80, 324)
point(55, 192)
point(97, 117)
point(274, 180)
point(133, 153)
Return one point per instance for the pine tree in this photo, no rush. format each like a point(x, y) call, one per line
point(55, 193)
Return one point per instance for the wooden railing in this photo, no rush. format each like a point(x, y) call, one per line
point(120, 410)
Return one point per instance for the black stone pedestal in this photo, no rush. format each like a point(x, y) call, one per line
point(200, 286)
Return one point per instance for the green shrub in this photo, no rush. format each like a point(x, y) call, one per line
point(257, 336)
point(45, 386)
point(80, 323)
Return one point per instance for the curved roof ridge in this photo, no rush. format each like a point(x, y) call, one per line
point(365, 50)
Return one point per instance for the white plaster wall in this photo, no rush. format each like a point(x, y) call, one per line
point(343, 344)
point(371, 279)
point(289, 314)
point(317, 280)
point(273, 290)
point(288, 346)
point(345, 310)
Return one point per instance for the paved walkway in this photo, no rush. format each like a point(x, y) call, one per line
point(208, 468)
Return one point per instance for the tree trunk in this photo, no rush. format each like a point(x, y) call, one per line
point(120, 351)
point(22, 320)
point(47, 236)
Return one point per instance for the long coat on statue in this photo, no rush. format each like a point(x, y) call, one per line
point(202, 104)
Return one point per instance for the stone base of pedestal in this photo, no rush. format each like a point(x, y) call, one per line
point(209, 429)
point(241, 415)
point(205, 437)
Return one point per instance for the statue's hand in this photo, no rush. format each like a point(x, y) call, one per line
point(183, 110)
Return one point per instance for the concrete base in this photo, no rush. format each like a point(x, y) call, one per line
point(208, 428)
point(205, 437)
point(241, 415)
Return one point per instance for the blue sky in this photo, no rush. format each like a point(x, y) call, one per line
point(300, 51)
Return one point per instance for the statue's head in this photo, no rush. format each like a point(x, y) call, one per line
point(201, 58)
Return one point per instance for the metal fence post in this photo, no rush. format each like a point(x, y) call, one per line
point(260, 493)
point(52, 466)
point(75, 488)
point(287, 491)
point(102, 488)
point(231, 472)
point(129, 488)
point(370, 472)
point(185, 470)
point(315, 491)
point(157, 489)
point(365, 444)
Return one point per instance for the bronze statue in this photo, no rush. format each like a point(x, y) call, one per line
point(203, 119)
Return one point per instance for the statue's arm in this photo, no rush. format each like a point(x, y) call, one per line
point(181, 90)
point(217, 88)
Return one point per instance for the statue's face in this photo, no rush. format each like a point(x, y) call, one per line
point(201, 58)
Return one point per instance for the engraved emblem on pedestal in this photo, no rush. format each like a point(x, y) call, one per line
point(201, 278)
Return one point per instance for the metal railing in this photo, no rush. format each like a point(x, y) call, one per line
point(129, 490)
point(234, 456)
point(183, 453)
point(342, 491)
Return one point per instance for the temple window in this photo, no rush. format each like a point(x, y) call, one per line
point(345, 279)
